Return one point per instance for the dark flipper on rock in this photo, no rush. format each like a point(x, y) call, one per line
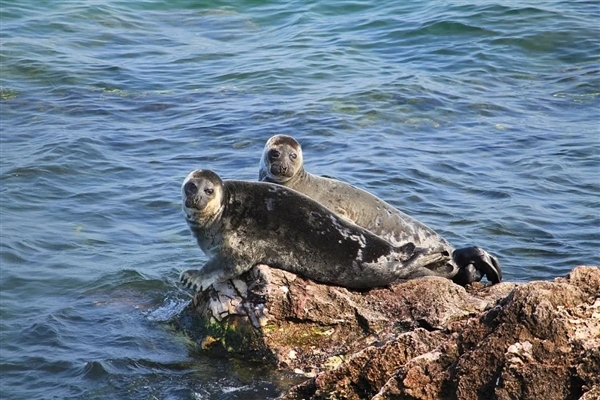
point(474, 263)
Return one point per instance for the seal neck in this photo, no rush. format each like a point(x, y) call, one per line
point(301, 175)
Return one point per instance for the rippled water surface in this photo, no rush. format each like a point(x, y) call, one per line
point(480, 119)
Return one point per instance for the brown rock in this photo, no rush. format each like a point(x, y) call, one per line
point(421, 339)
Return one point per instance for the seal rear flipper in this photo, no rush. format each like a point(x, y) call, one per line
point(420, 257)
point(474, 263)
point(428, 258)
point(423, 261)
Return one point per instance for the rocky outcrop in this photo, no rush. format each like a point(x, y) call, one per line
point(421, 339)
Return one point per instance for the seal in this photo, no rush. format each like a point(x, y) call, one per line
point(282, 163)
point(240, 224)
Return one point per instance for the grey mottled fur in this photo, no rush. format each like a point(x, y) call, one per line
point(240, 224)
point(282, 163)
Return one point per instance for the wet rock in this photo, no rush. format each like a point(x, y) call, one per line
point(421, 339)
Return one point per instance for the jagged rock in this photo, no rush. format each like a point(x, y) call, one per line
point(421, 339)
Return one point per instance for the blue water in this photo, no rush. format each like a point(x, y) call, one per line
point(480, 119)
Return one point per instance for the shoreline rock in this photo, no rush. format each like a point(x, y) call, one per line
point(425, 338)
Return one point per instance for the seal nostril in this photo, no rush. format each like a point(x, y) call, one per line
point(190, 189)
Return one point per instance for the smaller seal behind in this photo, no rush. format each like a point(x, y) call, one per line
point(282, 163)
point(241, 224)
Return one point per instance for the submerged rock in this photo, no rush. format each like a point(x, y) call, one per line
point(426, 338)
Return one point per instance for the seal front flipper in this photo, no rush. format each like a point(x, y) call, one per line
point(215, 270)
point(193, 279)
point(474, 263)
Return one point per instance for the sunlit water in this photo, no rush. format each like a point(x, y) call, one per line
point(479, 119)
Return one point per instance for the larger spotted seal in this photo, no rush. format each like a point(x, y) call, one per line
point(282, 163)
point(240, 224)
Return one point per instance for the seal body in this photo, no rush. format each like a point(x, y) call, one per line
point(240, 224)
point(282, 163)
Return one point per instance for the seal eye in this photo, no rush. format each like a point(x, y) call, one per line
point(209, 191)
point(293, 156)
point(274, 154)
point(190, 189)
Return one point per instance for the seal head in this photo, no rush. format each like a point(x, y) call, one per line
point(281, 160)
point(203, 194)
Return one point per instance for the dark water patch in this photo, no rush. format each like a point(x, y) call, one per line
point(94, 370)
point(12, 257)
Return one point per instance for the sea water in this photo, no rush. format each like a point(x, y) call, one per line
point(480, 119)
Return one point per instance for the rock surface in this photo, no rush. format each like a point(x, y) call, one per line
point(420, 339)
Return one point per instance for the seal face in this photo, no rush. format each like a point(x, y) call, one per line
point(240, 224)
point(282, 163)
point(281, 160)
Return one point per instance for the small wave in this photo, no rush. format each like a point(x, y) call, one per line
point(164, 313)
point(444, 28)
point(94, 370)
